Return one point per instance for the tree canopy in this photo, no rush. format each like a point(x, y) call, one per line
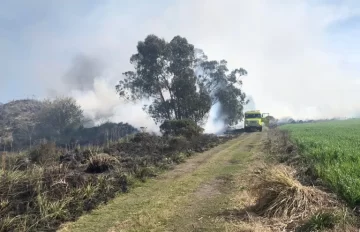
point(181, 82)
point(60, 117)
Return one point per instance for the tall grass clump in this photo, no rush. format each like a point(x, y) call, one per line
point(280, 195)
point(332, 148)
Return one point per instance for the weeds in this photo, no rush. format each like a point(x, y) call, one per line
point(47, 186)
point(320, 222)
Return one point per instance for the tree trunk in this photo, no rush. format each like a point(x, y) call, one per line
point(163, 100)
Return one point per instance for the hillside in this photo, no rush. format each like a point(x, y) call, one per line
point(21, 127)
point(16, 118)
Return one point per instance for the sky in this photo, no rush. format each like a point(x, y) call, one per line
point(302, 56)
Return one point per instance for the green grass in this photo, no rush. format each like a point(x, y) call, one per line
point(320, 222)
point(333, 149)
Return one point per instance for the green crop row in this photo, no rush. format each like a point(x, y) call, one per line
point(333, 149)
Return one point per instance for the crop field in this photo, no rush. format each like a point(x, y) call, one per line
point(333, 149)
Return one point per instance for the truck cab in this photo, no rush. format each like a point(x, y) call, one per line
point(254, 120)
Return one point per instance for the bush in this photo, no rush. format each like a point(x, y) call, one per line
point(183, 127)
point(204, 142)
point(143, 173)
point(44, 153)
point(101, 163)
point(179, 158)
point(179, 143)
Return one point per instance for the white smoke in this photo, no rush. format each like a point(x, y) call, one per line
point(215, 124)
point(102, 103)
point(295, 65)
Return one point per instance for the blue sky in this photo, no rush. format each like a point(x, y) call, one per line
point(310, 43)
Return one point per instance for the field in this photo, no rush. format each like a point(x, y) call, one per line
point(45, 186)
point(175, 183)
point(332, 149)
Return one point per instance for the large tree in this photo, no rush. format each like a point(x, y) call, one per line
point(60, 117)
point(181, 82)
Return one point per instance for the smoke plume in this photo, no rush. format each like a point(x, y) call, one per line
point(83, 72)
point(92, 84)
point(302, 56)
point(215, 124)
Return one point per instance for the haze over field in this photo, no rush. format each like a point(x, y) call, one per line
point(300, 55)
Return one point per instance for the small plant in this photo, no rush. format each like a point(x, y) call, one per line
point(144, 172)
point(179, 158)
point(319, 222)
point(101, 163)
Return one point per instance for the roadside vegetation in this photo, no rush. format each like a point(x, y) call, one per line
point(46, 186)
point(318, 164)
point(333, 151)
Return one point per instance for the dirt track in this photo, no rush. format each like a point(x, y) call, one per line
point(192, 197)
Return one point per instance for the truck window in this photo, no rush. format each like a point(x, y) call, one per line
point(252, 116)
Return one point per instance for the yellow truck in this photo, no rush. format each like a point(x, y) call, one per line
point(254, 120)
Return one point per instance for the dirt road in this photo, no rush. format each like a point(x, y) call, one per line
point(194, 196)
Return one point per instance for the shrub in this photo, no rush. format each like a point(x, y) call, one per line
point(179, 158)
point(44, 153)
point(204, 142)
point(183, 127)
point(179, 143)
point(143, 173)
point(100, 163)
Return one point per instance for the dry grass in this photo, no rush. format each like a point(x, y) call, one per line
point(43, 187)
point(276, 201)
point(286, 192)
point(281, 195)
point(101, 162)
